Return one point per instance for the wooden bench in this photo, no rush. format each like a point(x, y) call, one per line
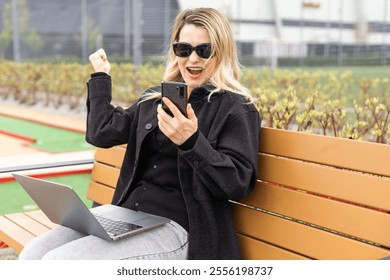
point(317, 197)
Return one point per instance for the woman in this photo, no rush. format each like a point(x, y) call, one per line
point(182, 168)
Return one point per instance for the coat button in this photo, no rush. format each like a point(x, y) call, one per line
point(148, 126)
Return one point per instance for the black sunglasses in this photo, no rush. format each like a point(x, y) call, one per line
point(185, 50)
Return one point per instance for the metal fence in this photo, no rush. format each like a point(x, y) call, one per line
point(130, 30)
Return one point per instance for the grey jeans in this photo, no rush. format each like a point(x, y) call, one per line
point(167, 242)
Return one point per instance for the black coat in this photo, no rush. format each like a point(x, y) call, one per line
point(222, 165)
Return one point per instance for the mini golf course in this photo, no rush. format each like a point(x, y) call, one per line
point(43, 137)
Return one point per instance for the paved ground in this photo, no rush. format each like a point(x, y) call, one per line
point(15, 151)
point(8, 254)
point(11, 146)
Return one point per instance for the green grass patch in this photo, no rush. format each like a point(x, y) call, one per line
point(50, 139)
point(14, 199)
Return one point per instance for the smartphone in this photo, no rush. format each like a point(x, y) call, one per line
point(177, 93)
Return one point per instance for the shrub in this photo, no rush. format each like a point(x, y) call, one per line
point(323, 102)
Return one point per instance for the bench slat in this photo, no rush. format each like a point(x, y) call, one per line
point(357, 155)
point(100, 193)
point(302, 239)
point(113, 156)
point(252, 249)
point(105, 174)
point(345, 218)
point(40, 217)
point(356, 187)
point(13, 235)
point(27, 223)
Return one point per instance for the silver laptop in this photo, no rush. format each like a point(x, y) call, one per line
point(63, 206)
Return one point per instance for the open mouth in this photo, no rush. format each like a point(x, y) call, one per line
point(195, 70)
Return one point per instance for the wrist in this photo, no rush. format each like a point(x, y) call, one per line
point(99, 74)
point(190, 142)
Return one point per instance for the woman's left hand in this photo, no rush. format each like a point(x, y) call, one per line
point(177, 128)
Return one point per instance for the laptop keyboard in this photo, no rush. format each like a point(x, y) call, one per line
point(116, 227)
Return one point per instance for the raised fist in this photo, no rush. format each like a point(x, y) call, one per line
point(100, 62)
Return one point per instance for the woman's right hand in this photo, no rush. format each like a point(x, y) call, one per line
point(100, 62)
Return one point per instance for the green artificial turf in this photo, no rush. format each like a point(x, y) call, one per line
point(50, 139)
point(14, 199)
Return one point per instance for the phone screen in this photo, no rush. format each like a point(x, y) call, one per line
point(177, 93)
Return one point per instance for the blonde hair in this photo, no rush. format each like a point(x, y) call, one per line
point(228, 70)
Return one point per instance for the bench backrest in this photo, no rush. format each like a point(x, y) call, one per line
point(317, 197)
